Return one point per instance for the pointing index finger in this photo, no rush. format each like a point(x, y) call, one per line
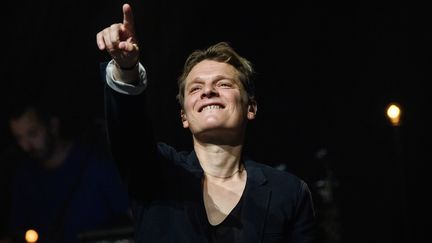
point(128, 16)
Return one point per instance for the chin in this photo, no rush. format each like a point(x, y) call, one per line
point(216, 131)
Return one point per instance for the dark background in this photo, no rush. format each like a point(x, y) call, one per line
point(325, 74)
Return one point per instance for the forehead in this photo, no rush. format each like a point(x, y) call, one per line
point(209, 70)
point(29, 119)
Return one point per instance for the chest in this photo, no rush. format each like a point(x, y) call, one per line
point(221, 198)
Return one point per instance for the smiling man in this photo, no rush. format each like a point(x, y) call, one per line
point(214, 193)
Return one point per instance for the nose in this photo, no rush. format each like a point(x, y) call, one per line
point(208, 91)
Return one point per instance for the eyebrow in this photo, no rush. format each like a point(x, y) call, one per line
point(214, 79)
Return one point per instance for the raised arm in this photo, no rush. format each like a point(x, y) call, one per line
point(130, 133)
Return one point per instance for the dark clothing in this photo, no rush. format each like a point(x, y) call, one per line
point(166, 186)
point(229, 230)
point(82, 194)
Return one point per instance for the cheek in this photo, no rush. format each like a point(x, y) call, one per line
point(188, 104)
point(242, 103)
point(245, 98)
point(40, 140)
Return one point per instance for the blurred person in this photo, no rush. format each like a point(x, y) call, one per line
point(65, 185)
point(214, 193)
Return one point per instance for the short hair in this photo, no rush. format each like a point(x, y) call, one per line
point(45, 109)
point(42, 111)
point(220, 52)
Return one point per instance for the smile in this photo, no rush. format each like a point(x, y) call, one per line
point(211, 107)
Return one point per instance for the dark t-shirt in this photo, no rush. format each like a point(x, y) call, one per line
point(231, 229)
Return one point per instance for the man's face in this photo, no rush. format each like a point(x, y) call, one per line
point(32, 135)
point(215, 100)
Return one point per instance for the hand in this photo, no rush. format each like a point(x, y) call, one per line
point(120, 41)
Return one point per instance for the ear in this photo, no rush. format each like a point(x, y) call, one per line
point(252, 110)
point(184, 119)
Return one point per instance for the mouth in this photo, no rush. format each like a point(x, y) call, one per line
point(211, 107)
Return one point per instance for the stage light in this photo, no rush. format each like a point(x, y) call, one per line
point(394, 113)
point(31, 236)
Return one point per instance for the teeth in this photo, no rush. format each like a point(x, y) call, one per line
point(211, 107)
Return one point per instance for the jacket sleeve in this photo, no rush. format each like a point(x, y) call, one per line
point(131, 140)
point(305, 230)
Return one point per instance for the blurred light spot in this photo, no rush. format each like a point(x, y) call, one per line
point(394, 114)
point(31, 236)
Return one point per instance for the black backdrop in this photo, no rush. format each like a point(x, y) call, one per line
point(325, 73)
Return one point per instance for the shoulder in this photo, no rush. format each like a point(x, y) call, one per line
point(288, 191)
point(280, 180)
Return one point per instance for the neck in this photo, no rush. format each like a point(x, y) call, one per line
point(238, 171)
point(219, 161)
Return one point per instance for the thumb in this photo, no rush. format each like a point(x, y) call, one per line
point(128, 21)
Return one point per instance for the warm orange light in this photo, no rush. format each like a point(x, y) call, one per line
point(394, 114)
point(31, 236)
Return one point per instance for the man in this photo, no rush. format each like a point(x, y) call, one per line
point(215, 193)
point(65, 186)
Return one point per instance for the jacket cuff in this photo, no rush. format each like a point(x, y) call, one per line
point(125, 88)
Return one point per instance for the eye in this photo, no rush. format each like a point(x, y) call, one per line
point(194, 89)
point(225, 84)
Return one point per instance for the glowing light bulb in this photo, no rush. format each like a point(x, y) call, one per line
point(394, 114)
point(31, 236)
